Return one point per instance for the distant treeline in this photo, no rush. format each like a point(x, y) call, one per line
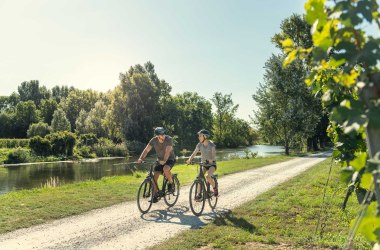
point(127, 114)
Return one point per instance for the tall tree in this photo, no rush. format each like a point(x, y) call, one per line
point(47, 108)
point(59, 93)
point(189, 113)
point(33, 92)
point(286, 107)
point(26, 114)
point(95, 122)
point(7, 125)
point(76, 101)
point(60, 121)
point(225, 111)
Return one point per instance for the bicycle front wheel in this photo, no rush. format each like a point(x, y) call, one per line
point(197, 198)
point(171, 196)
point(213, 200)
point(145, 196)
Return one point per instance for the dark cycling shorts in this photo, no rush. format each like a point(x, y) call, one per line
point(160, 168)
point(207, 168)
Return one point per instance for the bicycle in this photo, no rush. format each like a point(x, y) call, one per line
point(202, 187)
point(145, 193)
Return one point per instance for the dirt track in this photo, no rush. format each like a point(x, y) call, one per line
point(123, 227)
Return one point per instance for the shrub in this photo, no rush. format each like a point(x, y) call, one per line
point(41, 129)
point(62, 143)
point(88, 139)
point(135, 147)
point(18, 155)
point(14, 143)
point(40, 146)
point(85, 151)
point(106, 149)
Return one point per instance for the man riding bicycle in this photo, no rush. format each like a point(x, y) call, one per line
point(208, 154)
point(163, 145)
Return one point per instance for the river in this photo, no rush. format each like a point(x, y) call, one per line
point(58, 173)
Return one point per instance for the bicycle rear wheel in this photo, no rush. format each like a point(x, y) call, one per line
point(145, 196)
point(213, 200)
point(171, 198)
point(197, 205)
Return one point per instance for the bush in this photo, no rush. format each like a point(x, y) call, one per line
point(18, 155)
point(88, 139)
point(14, 143)
point(135, 147)
point(85, 151)
point(62, 143)
point(41, 129)
point(40, 146)
point(106, 149)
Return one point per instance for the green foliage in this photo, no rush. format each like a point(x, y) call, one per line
point(18, 155)
point(47, 107)
point(184, 115)
point(40, 129)
point(31, 91)
point(40, 146)
point(135, 147)
point(229, 131)
point(345, 72)
point(88, 139)
point(62, 143)
point(136, 106)
point(14, 143)
point(60, 121)
point(288, 113)
point(77, 100)
point(26, 114)
point(94, 121)
point(106, 147)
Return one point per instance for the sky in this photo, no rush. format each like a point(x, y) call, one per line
point(202, 46)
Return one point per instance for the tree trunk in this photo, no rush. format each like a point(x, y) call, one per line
point(286, 147)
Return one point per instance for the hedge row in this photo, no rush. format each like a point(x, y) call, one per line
point(14, 143)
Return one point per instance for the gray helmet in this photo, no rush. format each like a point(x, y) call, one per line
point(159, 131)
point(204, 132)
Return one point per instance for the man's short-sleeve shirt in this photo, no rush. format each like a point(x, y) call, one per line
point(161, 147)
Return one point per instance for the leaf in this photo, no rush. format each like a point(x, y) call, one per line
point(364, 8)
point(359, 161)
point(290, 58)
point(287, 44)
point(374, 117)
point(346, 174)
point(314, 11)
point(369, 227)
point(366, 180)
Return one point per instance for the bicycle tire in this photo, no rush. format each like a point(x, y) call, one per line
point(171, 198)
point(145, 196)
point(197, 206)
point(213, 200)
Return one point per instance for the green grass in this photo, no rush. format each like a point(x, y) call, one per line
point(284, 216)
point(30, 207)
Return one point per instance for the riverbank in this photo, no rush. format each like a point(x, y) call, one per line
point(30, 207)
point(66, 161)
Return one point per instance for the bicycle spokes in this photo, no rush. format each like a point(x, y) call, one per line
point(145, 196)
point(197, 198)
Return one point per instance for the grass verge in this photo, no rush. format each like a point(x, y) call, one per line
point(282, 218)
point(30, 207)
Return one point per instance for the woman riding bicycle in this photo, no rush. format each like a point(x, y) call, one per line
point(208, 153)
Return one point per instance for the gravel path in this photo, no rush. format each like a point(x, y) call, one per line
point(123, 227)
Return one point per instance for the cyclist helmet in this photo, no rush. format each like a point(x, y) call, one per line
point(204, 132)
point(159, 131)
